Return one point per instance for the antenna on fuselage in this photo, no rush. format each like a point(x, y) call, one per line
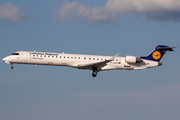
point(34, 50)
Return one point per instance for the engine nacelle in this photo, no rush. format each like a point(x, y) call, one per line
point(132, 59)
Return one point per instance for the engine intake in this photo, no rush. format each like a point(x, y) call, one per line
point(132, 59)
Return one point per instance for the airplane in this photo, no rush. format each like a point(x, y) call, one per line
point(95, 63)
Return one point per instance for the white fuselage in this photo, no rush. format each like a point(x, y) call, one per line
point(76, 60)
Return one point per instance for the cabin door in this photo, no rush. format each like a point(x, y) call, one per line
point(25, 56)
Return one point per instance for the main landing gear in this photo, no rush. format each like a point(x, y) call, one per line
point(94, 73)
point(12, 67)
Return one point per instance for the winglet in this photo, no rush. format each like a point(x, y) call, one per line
point(111, 59)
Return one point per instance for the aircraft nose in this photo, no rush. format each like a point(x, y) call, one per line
point(4, 59)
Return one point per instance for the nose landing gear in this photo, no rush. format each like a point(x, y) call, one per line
point(12, 67)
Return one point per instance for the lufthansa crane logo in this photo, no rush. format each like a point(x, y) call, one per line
point(156, 55)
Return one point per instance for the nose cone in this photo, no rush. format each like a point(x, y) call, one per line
point(4, 59)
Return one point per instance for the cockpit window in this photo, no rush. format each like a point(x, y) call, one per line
point(15, 54)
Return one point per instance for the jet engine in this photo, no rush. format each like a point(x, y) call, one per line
point(132, 59)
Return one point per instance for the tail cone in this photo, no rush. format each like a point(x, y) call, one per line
point(159, 63)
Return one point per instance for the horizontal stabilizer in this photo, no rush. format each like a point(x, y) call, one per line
point(166, 48)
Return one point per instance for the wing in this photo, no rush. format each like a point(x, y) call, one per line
point(98, 65)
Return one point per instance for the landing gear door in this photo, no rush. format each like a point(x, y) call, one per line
point(25, 56)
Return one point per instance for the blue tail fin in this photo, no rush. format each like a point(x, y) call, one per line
point(158, 53)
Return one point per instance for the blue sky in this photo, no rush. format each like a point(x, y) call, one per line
point(89, 27)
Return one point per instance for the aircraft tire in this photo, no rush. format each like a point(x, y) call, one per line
point(94, 73)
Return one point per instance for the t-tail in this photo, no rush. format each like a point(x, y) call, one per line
point(158, 53)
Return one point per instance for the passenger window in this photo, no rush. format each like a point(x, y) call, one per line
point(97, 58)
point(74, 57)
point(79, 57)
point(71, 57)
point(89, 58)
point(33, 55)
point(93, 58)
point(37, 55)
point(85, 58)
point(44, 56)
point(48, 56)
point(64, 57)
point(60, 57)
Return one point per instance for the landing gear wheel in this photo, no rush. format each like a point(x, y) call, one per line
point(94, 73)
point(12, 67)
